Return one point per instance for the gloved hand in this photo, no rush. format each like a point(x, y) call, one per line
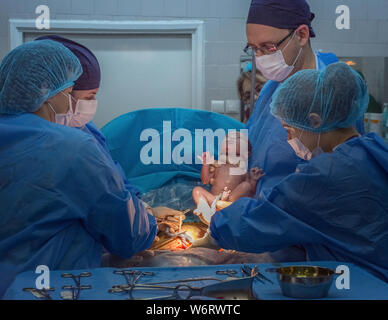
point(168, 219)
point(164, 212)
point(204, 211)
point(206, 242)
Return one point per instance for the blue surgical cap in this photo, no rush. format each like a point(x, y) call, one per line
point(282, 14)
point(91, 76)
point(338, 94)
point(34, 72)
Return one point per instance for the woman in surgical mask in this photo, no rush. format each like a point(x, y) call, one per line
point(84, 104)
point(83, 96)
point(318, 123)
point(335, 206)
point(58, 109)
point(62, 199)
point(308, 145)
point(83, 99)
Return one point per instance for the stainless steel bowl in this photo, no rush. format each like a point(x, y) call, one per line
point(304, 282)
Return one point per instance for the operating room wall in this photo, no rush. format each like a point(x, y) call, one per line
point(386, 80)
point(224, 29)
point(367, 38)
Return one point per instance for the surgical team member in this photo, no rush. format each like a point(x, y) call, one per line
point(61, 199)
point(84, 107)
point(278, 33)
point(335, 205)
point(84, 100)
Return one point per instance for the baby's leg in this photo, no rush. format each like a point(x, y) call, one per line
point(199, 192)
point(244, 189)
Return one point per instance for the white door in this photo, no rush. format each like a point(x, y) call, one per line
point(138, 71)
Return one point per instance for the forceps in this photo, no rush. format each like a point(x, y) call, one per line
point(73, 292)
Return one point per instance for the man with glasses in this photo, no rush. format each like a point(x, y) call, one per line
point(278, 33)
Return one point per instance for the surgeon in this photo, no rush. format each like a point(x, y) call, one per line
point(83, 96)
point(84, 107)
point(61, 198)
point(278, 33)
point(336, 204)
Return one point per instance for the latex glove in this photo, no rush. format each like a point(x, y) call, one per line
point(204, 211)
point(170, 228)
point(164, 212)
point(168, 220)
point(206, 242)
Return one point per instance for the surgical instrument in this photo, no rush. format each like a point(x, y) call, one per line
point(72, 292)
point(40, 293)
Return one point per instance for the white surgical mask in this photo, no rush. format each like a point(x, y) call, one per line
point(274, 67)
point(63, 118)
point(84, 112)
point(302, 151)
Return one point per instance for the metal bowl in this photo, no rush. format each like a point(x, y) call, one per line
point(304, 282)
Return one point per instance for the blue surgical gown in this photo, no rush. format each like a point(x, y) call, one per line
point(91, 129)
point(335, 206)
point(61, 200)
point(270, 150)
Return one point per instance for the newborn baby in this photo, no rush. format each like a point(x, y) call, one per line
point(228, 176)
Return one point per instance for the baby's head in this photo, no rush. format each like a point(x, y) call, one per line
point(231, 145)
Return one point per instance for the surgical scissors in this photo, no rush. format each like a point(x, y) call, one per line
point(77, 279)
point(157, 285)
point(174, 296)
point(40, 293)
point(75, 290)
point(229, 289)
point(131, 276)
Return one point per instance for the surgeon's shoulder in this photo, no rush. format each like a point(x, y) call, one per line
point(323, 165)
point(75, 140)
point(269, 87)
point(327, 57)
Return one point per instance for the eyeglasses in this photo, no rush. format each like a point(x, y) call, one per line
point(266, 49)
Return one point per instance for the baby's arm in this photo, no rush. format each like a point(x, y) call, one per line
point(207, 171)
point(205, 174)
point(255, 174)
point(247, 188)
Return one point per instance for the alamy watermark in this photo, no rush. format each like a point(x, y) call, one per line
point(43, 20)
point(43, 280)
point(232, 147)
point(342, 22)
